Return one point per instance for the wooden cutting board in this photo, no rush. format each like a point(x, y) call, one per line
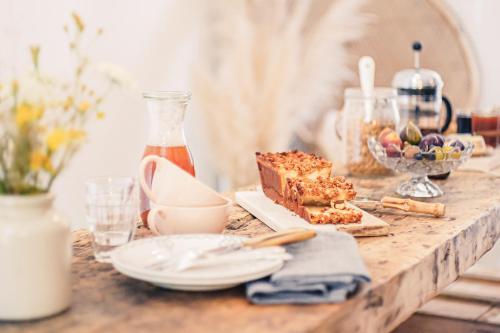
point(278, 217)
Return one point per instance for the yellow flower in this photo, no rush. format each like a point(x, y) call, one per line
point(27, 113)
point(74, 134)
point(56, 138)
point(47, 166)
point(84, 106)
point(100, 115)
point(37, 160)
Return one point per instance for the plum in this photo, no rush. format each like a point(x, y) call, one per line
point(431, 140)
point(458, 144)
point(411, 134)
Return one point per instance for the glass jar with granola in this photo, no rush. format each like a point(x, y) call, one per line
point(364, 117)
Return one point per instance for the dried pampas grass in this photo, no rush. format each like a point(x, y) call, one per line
point(267, 69)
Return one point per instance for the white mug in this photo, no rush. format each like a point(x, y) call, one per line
point(172, 186)
point(168, 220)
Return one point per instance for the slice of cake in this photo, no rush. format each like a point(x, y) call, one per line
point(276, 168)
point(329, 215)
point(319, 192)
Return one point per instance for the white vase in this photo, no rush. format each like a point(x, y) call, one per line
point(35, 258)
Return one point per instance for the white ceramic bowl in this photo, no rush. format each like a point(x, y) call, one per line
point(170, 220)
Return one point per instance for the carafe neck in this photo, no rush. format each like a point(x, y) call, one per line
point(166, 118)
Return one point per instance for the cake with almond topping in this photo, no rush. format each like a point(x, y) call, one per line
point(276, 168)
point(302, 183)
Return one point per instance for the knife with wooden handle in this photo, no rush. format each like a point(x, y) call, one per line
point(407, 205)
point(280, 238)
point(268, 240)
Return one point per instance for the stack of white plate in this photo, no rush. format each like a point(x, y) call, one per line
point(133, 259)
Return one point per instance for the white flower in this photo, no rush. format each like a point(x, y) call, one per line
point(116, 74)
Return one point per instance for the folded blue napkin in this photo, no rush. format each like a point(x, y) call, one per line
point(325, 269)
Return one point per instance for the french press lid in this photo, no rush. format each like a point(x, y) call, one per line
point(417, 81)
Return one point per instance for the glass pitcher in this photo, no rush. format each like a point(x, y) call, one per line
point(166, 135)
point(364, 117)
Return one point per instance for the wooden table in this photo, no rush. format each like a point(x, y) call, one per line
point(418, 259)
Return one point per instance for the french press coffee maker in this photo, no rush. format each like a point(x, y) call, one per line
point(420, 98)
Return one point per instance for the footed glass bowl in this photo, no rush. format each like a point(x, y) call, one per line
point(419, 186)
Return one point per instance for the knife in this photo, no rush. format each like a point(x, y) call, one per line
point(268, 240)
point(407, 205)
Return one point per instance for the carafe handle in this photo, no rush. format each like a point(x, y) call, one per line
point(449, 114)
point(142, 175)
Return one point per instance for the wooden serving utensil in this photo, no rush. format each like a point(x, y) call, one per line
point(280, 238)
point(407, 205)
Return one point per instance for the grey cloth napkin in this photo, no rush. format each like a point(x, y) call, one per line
point(325, 269)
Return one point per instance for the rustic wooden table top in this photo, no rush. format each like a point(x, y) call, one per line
point(418, 259)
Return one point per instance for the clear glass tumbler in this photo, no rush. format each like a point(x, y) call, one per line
point(112, 213)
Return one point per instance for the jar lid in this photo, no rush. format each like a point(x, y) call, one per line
point(378, 93)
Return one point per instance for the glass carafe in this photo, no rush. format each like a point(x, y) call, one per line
point(166, 135)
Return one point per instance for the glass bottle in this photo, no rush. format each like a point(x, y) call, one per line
point(364, 117)
point(166, 135)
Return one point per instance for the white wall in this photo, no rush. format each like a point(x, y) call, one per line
point(136, 34)
point(136, 37)
point(480, 21)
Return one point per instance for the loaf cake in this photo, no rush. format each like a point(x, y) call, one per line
point(276, 168)
point(302, 183)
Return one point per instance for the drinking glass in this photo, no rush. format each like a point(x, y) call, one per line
point(112, 212)
point(487, 124)
point(464, 121)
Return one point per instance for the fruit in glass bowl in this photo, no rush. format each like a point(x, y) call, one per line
point(411, 134)
point(411, 151)
point(433, 156)
point(431, 140)
point(391, 141)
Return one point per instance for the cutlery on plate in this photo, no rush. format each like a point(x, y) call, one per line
point(274, 239)
point(407, 205)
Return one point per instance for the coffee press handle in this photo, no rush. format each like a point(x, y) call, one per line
point(449, 114)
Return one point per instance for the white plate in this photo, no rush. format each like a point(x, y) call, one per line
point(131, 259)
